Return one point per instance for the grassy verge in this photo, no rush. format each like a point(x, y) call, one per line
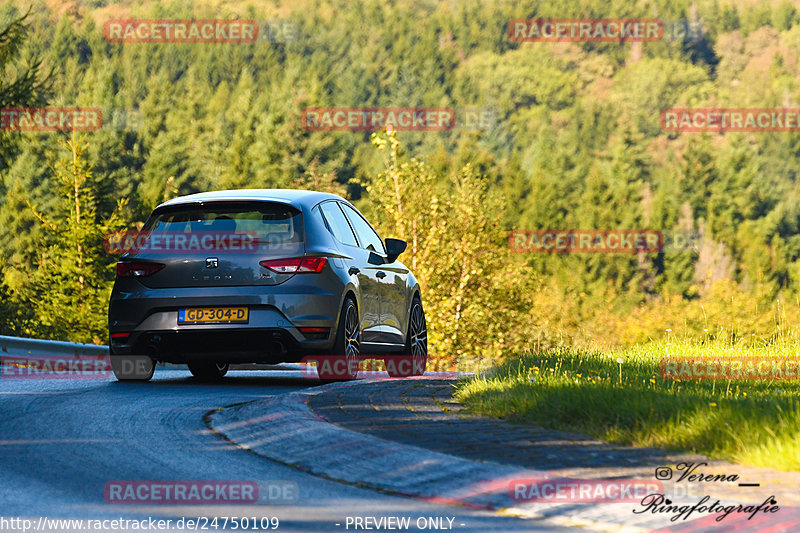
point(629, 402)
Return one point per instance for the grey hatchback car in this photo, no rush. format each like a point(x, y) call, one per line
point(263, 276)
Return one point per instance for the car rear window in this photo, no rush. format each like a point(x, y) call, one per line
point(270, 222)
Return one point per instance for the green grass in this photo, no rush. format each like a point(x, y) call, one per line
point(748, 422)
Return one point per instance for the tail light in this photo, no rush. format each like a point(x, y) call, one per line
point(119, 337)
point(295, 265)
point(315, 333)
point(137, 269)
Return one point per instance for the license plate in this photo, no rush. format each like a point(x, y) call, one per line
point(213, 315)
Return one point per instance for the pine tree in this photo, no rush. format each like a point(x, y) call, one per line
point(68, 290)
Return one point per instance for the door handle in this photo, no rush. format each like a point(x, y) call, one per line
point(380, 274)
point(353, 270)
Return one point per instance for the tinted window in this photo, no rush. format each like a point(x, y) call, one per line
point(366, 235)
point(269, 222)
point(338, 224)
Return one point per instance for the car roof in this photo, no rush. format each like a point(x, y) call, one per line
point(295, 197)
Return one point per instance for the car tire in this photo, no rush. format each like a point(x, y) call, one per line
point(132, 367)
point(343, 364)
point(208, 370)
point(414, 358)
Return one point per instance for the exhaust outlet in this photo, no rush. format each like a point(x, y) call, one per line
point(153, 347)
point(277, 348)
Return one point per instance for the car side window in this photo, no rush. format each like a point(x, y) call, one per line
point(366, 235)
point(338, 223)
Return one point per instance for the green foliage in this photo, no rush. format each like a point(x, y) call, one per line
point(21, 80)
point(69, 288)
point(576, 144)
point(453, 225)
point(621, 396)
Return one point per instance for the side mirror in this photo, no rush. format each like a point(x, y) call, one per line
point(394, 247)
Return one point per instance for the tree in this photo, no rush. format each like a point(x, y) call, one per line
point(459, 254)
point(68, 291)
point(21, 82)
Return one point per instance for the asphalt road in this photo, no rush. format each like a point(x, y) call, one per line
point(62, 441)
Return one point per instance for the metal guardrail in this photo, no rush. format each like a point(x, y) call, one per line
point(23, 346)
point(20, 346)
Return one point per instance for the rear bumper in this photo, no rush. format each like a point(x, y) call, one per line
point(235, 345)
point(150, 317)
